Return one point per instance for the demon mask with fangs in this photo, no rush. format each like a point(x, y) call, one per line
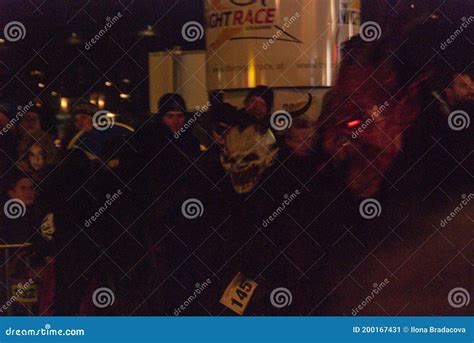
point(246, 156)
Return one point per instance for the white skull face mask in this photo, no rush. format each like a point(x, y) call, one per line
point(246, 155)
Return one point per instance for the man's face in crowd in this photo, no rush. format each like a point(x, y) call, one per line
point(174, 120)
point(30, 122)
point(257, 107)
point(83, 122)
point(461, 90)
point(300, 140)
point(36, 157)
point(23, 191)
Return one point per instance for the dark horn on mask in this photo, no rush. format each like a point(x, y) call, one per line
point(305, 108)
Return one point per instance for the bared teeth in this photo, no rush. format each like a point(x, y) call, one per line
point(246, 179)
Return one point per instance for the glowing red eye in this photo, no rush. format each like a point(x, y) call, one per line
point(353, 123)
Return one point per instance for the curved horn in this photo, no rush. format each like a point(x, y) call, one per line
point(303, 110)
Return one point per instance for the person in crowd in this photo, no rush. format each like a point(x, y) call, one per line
point(259, 103)
point(31, 131)
point(172, 115)
point(300, 137)
point(459, 90)
point(35, 161)
point(19, 224)
point(30, 122)
point(164, 148)
point(230, 236)
point(82, 114)
point(300, 154)
point(128, 260)
point(70, 203)
point(97, 216)
point(20, 214)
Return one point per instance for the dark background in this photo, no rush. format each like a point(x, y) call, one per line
point(56, 31)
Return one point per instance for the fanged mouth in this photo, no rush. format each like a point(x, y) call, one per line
point(245, 180)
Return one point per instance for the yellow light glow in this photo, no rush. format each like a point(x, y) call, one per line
point(124, 96)
point(251, 72)
point(64, 104)
point(101, 103)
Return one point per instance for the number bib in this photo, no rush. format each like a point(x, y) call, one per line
point(238, 293)
point(24, 294)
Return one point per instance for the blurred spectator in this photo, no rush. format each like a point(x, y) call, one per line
point(31, 132)
point(19, 198)
point(35, 161)
point(459, 90)
point(19, 224)
point(31, 122)
point(171, 119)
point(300, 137)
point(300, 153)
point(172, 109)
point(222, 116)
point(82, 115)
point(259, 102)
